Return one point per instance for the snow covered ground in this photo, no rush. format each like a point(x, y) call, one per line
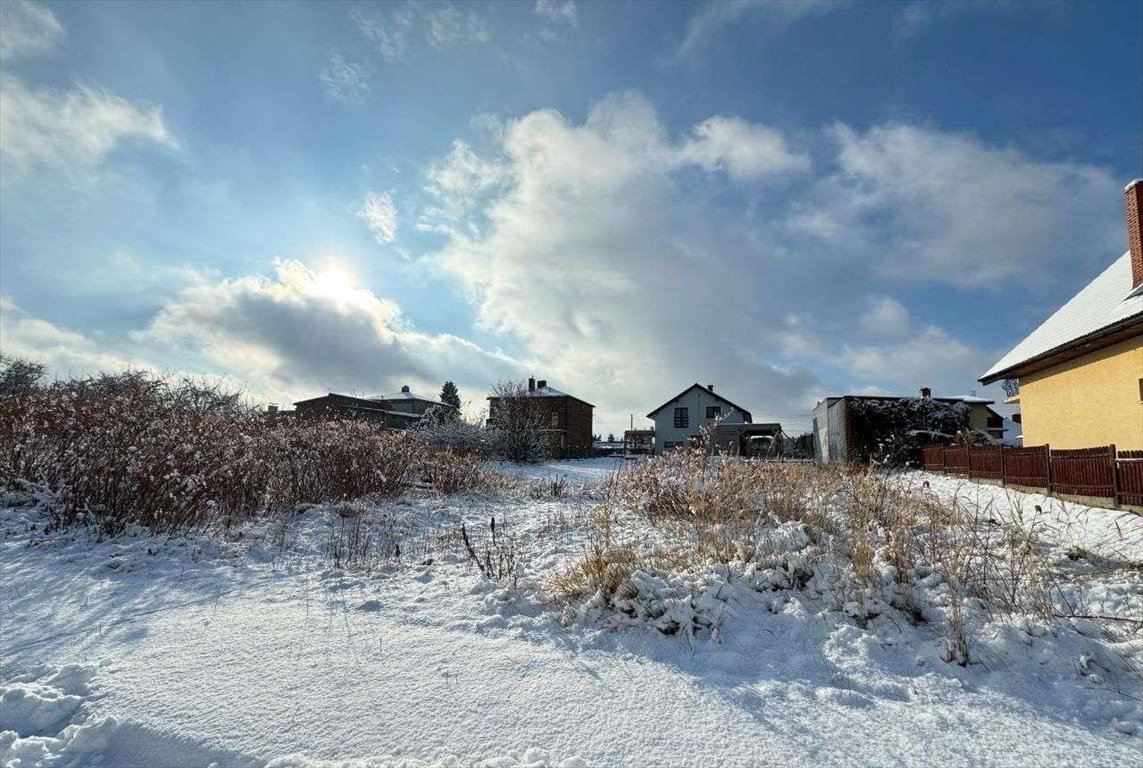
point(252, 650)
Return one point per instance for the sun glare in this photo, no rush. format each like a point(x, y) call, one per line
point(336, 280)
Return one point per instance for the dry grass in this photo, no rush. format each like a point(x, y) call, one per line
point(872, 539)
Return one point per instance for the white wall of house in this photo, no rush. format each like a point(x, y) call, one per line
point(696, 401)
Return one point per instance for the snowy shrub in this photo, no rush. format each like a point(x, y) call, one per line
point(452, 472)
point(177, 455)
point(316, 461)
point(132, 449)
point(882, 430)
point(443, 428)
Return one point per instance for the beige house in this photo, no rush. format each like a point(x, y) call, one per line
point(1080, 372)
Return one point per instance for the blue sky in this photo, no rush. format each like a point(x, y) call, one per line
point(785, 199)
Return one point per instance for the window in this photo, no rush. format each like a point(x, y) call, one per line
point(555, 419)
point(714, 411)
point(682, 418)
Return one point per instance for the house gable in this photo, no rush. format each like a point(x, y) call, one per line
point(711, 393)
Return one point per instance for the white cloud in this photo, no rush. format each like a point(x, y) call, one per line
point(72, 130)
point(306, 331)
point(27, 29)
point(64, 351)
point(921, 204)
point(389, 32)
point(345, 81)
point(714, 17)
point(558, 10)
point(916, 17)
point(926, 356)
point(380, 215)
point(623, 282)
point(448, 27)
point(398, 30)
point(744, 150)
point(460, 181)
point(885, 316)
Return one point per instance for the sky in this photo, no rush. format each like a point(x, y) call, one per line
point(785, 200)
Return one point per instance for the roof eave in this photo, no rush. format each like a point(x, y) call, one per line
point(1071, 350)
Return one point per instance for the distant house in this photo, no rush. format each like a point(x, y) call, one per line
point(681, 420)
point(639, 440)
point(396, 412)
point(566, 419)
point(836, 435)
point(1080, 373)
point(407, 401)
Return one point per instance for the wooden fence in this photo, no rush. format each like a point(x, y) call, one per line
point(1099, 472)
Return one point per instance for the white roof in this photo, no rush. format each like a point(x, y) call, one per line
point(548, 392)
point(1106, 301)
point(409, 396)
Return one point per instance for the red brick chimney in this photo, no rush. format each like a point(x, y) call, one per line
point(1133, 198)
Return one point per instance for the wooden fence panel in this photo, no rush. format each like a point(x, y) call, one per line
point(1028, 466)
point(1129, 476)
point(933, 458)
point(1084, 471)
point(986, 462)
point(956, 459)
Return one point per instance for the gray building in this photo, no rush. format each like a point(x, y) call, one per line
point(681, 420)
point(834, 432)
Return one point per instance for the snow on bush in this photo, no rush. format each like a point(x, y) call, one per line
point(858, 543)
point(133, 449)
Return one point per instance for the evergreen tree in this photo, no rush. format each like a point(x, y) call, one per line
point(450, 395)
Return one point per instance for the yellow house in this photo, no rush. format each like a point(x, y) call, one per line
point(1081, 372)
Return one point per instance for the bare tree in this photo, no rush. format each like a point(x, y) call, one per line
point(517, 417)
point(18, 375)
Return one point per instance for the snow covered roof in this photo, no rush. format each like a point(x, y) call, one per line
point(1107, 302)
point(546, 391)
point(405, 394)
point(413, 396)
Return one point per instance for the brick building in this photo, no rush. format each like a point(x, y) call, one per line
point(566, 419)
point(395, 411)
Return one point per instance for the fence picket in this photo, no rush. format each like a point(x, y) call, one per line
point(1101, 472)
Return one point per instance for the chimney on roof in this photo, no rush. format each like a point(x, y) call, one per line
point(926, 392)
point(531, 383)
point(405, 389)
point(541, 383)
point(710, 387)
point(1133, 199)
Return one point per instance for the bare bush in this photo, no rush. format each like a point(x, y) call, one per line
point(494, 556)
point(134, 449)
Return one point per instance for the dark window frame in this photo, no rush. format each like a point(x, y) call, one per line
point(714, 411)
point(682, 417)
